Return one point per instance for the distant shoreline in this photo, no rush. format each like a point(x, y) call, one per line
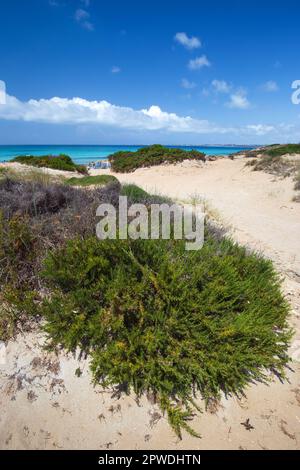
point(85, 154)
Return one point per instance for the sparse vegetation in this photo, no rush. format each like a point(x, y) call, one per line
point(156, 318)
point(99, 180)
point(125, 162)
point(276, 160)
point(55, 162)
point(297, 186)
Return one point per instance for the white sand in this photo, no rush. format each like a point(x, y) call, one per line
point(43, 405)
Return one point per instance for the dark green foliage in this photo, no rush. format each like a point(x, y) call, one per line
point(149, 156)
point(154, 317)
point(33, 198)
point(274, 165)
point(283, 150)
point(60, 162)
point(136, 194)
point(99, 180)
point(297, 187)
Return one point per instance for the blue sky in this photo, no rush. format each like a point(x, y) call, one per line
point(174, 72)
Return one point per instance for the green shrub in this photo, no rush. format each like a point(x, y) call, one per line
point(156, 318)
point(150, 156)
point(61, 162)
point(99, 180)
point(136, 194)
point(297, 183)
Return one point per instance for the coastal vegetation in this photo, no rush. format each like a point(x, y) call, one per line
point(277, 151)
point(55, 162)
point(126, 162)
point(153, 317)
point(135, 194)
point(98, 180)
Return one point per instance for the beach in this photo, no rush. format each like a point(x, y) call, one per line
point(45, 406)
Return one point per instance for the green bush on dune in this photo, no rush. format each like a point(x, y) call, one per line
point(155, 318)
point(98, 180)
point(60, 162)
point(288, 149)
point(152, 316)
point(150, 156)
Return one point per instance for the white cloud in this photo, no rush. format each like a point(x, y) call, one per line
point(187, 84)
point(82, 17)
point(189, 43)
point(220, 86)
point(260, 129)
point(115, 69)
point(78, 111)
point(270, 86)
point(238, 100)
point(199, 62)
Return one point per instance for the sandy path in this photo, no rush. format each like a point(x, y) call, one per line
point(43, 404)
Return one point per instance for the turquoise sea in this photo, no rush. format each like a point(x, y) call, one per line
point(88, 153)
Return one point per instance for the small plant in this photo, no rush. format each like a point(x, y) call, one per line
point(149, 156)
point(280, 150)
point(99, 180)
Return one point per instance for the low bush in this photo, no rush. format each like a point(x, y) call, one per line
point(99, 180)
point(275, 165)
point(278, 151)
point(149, 156)
point(156, 318)
point(60, 162)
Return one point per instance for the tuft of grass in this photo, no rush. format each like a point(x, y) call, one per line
point(56, 162)
point(99, 180)
point(274, 164)
point(126, 162)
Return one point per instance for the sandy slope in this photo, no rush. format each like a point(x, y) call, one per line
point(43, 405)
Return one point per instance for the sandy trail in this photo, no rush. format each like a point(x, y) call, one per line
point(44, 405)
